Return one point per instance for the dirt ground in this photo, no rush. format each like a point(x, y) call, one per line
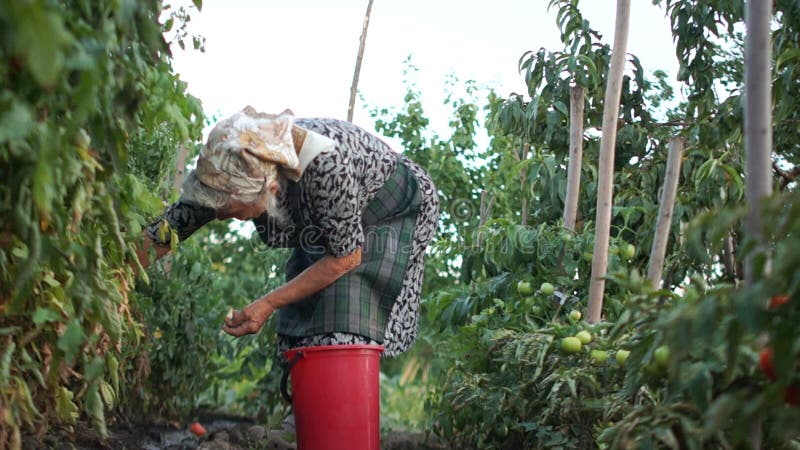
point(222, 433)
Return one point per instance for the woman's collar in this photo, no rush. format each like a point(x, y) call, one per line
point(308, 145)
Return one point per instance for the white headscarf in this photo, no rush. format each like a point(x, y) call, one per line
point(241, 149)
point(244, 152)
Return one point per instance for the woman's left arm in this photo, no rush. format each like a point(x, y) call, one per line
point(315, 278)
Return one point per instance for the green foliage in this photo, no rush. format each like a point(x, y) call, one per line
point(91, 116)
point(154, 160)
point(451, 162)
point(506, 368)
point(716, 392)
point(498, 350)
point(187, 352)
point(78, 79)
point(184, 327)
point(401, 408)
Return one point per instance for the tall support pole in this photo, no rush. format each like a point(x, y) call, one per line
point(575, 156)
point(757, 119)
point(605, 188)
point(666, 206)
point(362, 43)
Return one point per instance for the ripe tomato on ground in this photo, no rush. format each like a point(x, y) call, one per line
point(197, 429)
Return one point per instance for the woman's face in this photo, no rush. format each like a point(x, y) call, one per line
point(241, 210)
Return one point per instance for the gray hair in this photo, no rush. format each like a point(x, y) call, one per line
point(195, 192)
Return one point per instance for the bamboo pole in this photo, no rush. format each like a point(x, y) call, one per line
point(606, 166)
point(523, 181)
point(758, 138)
point(729, 258)
point(362, 43)
point(757, 119)
point(575, 156)
point(180, 167)
point(666, 205)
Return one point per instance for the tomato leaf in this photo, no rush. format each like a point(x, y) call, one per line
point(16, 122)
point(44, 315)
point(66, 409)
point(71, 340)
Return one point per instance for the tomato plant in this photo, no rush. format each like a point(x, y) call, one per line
point(686, 352)
point(84, 78)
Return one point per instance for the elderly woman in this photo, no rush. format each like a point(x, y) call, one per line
point(358, 216)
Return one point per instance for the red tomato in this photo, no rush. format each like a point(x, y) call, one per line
point(778, 300)
point(197, 429)
point(765, 362)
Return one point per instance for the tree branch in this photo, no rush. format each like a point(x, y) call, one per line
point(787, 176)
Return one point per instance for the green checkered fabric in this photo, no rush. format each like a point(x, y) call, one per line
point(360, 302)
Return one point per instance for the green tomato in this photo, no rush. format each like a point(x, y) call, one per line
point(501, 431)
point(536, 310)
point(622, 356)
point(584, 336)
point(598, 356)
point(575, 315)
point(661, 356)
point(547, 289)
point(571, 345)
point(524, 288)
point(629, 251)
point(587, 256)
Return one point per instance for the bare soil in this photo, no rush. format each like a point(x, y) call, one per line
point(222, 433)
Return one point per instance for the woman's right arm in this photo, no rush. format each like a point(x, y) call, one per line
point(143, 251)
point(182, 218)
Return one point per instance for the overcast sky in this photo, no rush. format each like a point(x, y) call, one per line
point(301, 54)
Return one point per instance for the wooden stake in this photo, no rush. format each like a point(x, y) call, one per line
point(180, 167)
point(757, 120)
point(523, 178)
point(575, 156)
point(666, 205)
point(608, 140)
point(362, 43)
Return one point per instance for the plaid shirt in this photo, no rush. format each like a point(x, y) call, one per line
point(360, 301)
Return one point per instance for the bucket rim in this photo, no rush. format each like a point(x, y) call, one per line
point(324, 348)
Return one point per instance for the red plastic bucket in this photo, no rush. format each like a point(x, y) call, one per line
point(336, 396)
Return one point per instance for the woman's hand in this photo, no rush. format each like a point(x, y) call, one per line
point(250, 319)
point(312, 280)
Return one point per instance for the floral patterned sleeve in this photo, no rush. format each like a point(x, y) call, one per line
point(184, 218)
